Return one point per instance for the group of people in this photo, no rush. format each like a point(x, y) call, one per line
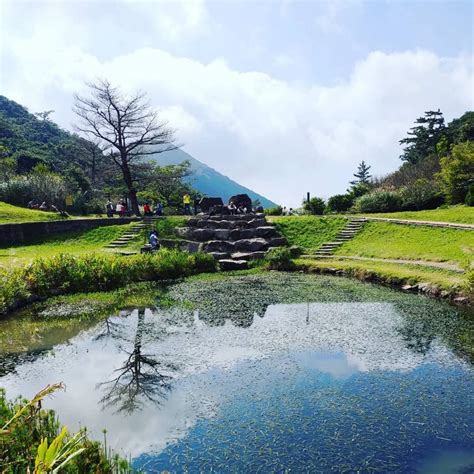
point(233, 209)
point(121, 209)
point(42, 207)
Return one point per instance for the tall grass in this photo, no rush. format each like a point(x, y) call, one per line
point(65, 273)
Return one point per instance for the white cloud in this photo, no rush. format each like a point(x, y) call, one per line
point(279, 138)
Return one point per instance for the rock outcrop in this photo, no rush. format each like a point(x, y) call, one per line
point(233, 240)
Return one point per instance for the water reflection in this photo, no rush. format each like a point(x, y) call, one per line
point(141, 377)
point(173, 369)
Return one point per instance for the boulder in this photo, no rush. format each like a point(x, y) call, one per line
point(251, 245)
point(202, 235)
point(221, 234)
point(278, 242)
point(219, 211)
point(219, 255)
point(266, 231)
point(207, 202)
point(257, 222)
point(190, 246)
point(218, 246)
point(184, 232)
point(238, 234)
point(248, 255)
point(242, 200)
point(228, 264)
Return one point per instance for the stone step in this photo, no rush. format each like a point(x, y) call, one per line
point(248, 255)
point(230, 264)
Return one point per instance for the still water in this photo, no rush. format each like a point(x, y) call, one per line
point(242, 381)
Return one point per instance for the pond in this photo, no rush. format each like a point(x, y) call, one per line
point(262, 373)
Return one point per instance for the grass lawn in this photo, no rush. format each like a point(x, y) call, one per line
point(77, 243)
point(386, 240)
point(308, 232)
point(10, 214)
point(458, 214)
point(390, 272)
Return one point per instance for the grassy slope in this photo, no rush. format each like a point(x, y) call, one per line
point(76, 243)
point(308, 232)
point(458, 214)
point(10, 214)
point(390, 272)
point(166, 230)
point(385, 240)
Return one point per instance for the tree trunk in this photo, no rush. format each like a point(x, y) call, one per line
point(132, 192)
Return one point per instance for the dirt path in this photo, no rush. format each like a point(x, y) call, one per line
point(442, 265)
point(447, 225)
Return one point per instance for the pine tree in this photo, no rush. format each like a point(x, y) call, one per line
point(362, 174)
point(422, 139)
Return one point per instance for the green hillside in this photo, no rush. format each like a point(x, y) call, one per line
point(207, 180)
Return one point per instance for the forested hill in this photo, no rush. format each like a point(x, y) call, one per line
point(207, 180)
point(31, 139)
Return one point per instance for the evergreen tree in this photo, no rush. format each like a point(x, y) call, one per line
point(362, 174)
point(422, 139)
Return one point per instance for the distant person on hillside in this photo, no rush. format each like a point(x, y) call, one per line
point(187, 204)
point(232, 208)
point(43, 207)
point(31, 204)
point(159, 209)
point(147, 210)
point(109, 208)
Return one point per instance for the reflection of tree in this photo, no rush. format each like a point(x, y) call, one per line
point(140, 378)
point(239, 311)
point(417, 336)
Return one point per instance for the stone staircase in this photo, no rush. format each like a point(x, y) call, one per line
point(131, 233)
point(347, 233)
point(232, 240)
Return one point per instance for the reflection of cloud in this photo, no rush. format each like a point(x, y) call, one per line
point(335, 338)
point(337, 365)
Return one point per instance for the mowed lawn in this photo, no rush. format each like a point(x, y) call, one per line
point(308, 232)
point(397, 241)
point(10, 214)
point(455, 214)
point(77, 243)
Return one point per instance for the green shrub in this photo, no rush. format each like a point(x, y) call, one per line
point(28, 424)
point(274, 211)
point(315, 206)
point(279, 259)
point(66, 273)
point(470, 196)
point(383, 201)
point(339, 203)
point(457, 172)
point(422, 194)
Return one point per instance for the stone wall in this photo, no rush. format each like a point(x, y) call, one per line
point(11, 234)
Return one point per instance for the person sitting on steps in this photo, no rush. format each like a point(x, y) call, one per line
point(153, 240)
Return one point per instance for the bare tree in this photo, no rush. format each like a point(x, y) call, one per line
point(126, 129)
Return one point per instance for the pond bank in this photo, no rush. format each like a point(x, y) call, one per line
point(442, 284)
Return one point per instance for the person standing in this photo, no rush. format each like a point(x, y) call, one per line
point(159, 209)
point(147, 209)
point(109, 207)
point(187, 204)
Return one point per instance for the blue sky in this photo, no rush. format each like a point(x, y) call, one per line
point(285, 97)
